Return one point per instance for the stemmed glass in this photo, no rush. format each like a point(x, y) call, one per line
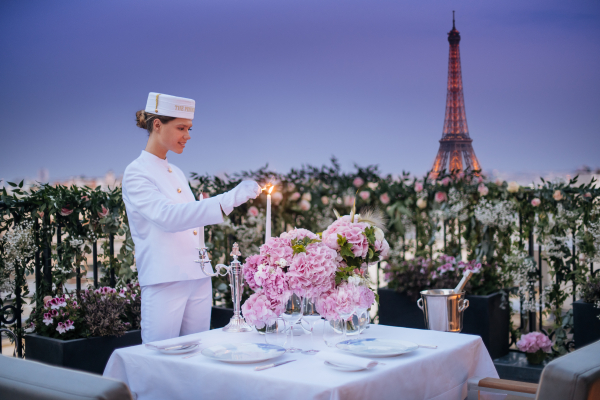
point(344, 315)
point(276, 334)
point(292, 314)
point(311, 316)
point(362, 318)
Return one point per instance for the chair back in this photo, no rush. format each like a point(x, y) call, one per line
point(575, 376)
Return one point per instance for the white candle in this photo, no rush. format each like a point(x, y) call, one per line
point(268, 223)
point(201, 234)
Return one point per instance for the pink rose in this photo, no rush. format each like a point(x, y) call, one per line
point(445, 181)
point(276, 198)
point(587, 194)
point(482, 189)
point(304, 205)
point(295, 196)
point(253, 211)
point(557, 195)
point(536, 202)
point(440, 197)
point(364, 195)
point(358, 182)
point(104, 212)
point(460, 175)
point(65, 211)
point(384, 198)
point(85, 198)
point(418, 187)
point(325, 200)
point(348, 201)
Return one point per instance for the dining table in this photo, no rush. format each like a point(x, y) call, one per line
point(439, 373)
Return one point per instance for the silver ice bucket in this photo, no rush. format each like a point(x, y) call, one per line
point(443, 309)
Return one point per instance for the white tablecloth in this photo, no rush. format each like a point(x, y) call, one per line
point(439, 374)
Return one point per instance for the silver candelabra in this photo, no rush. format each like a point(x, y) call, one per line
point(236, 281)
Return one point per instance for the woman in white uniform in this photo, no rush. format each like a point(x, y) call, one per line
point(166, 221)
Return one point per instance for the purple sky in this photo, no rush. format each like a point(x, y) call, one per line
point(293, 82)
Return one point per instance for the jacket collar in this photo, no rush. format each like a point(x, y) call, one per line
point(152, 158)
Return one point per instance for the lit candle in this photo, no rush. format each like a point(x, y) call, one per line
point(268, 223)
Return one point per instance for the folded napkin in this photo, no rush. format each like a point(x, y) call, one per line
point(346, 359)
point(174, 342)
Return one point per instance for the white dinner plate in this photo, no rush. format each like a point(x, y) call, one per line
point(180, 350)
point(377, 347)
point(347, 368)
point(243, 353)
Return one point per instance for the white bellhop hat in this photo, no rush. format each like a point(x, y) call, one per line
point(170, 106)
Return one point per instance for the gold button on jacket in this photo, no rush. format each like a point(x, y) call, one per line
point(195, 232)
point(178, 190)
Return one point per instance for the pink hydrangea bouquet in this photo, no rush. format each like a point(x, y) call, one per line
point(295, 262)
point(536, 345)
point(359, 242)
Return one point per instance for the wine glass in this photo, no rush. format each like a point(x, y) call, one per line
point(311, 316)
point(344, 316)
point(292, 314)
point(362, 318)
point(331, 335)
point(276, 334)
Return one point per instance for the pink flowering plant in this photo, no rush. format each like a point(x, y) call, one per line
point(534, 342)
point(60, 317)
point(98, 312)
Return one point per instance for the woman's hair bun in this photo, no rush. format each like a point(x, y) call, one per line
point(141, 117)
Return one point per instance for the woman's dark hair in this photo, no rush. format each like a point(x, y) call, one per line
point(145, 120)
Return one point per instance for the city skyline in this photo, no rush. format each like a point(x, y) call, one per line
point(293, 84)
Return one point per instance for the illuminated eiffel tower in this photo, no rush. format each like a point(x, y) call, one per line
point(456, 152)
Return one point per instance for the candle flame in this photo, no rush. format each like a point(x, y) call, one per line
point(269, 188)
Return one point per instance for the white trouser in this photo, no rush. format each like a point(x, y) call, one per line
point(175, 309)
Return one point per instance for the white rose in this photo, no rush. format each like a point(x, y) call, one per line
point(513, 187)
point(421, 203)
point(379, 234)
point(307, 197)
point(355, 280)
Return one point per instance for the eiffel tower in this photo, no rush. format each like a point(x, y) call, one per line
point(456, 153)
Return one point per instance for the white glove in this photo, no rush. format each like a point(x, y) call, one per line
point(240, 194)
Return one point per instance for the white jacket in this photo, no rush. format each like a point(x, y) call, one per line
point(165, 220)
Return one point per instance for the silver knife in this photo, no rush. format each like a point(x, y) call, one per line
point(272, 365)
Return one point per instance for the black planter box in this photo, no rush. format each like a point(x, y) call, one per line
point(220, 316)
point(396, 309)
point(89, 354)
point(483, 317)
point(586, 324)
point(486, 318)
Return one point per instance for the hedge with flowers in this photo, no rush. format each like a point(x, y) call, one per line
point(487, 226)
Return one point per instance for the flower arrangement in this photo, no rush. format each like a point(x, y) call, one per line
point(359, 242)
point(296, 262)
point(536, 345)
